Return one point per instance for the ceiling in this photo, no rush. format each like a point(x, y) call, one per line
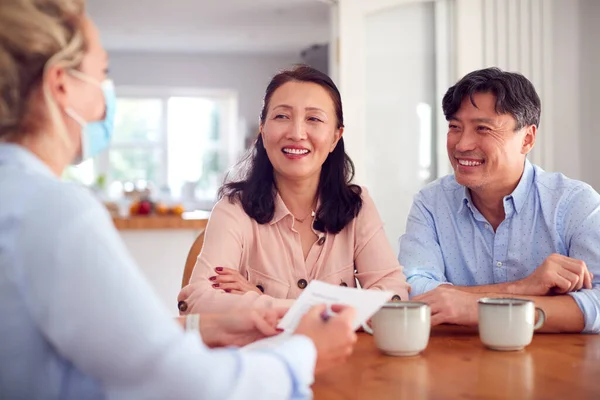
point(221, 26)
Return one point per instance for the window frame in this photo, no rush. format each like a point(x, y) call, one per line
point(231, 139)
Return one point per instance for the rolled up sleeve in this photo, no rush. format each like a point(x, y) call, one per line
point(588, 301)
point(581, 220)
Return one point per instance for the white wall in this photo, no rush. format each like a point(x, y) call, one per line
point(567, 59)
point(589, 84)
point(246, 74)
point(576, 60)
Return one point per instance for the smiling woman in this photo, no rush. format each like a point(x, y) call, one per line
point(290, 214)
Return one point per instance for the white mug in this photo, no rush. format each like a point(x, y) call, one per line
point(402, 328)
point(508, 324)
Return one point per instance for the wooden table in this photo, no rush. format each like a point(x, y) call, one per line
point(455, 365)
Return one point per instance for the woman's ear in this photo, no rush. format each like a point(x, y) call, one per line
point(55, 80)
point(337, 136)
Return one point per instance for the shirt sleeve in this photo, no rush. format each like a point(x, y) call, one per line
point(581, 218)
point(223, 246)
point(375, 262)
point(420, 251)
point(95, 308)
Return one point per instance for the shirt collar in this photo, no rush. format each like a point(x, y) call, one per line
point(14, 154)
point(465, 200)
point(517, 197)
point(280, 210)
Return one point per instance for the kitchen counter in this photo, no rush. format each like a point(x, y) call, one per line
point(193, 220)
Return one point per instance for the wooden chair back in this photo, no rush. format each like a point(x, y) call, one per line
point(190, 262)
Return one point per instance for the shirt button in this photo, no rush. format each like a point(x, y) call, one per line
point(302, 283)
point(182, 306)
point(321, 241)
point(499, 264)
point(344, 284)
point(262, 289)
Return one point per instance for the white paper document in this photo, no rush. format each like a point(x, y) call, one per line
point(366, 302)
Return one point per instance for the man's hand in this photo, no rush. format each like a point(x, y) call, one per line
point(231, 281)
point(239, 328)
point(451, 306)
point(334, 338)
point(558, 274)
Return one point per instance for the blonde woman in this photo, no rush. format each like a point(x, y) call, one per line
point(78, 319)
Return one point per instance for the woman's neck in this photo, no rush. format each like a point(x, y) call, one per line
point(299, 196)
point(47, 149)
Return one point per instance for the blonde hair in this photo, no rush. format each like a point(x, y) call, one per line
point(35, 35)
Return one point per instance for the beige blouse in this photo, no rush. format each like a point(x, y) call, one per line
point(270, 256)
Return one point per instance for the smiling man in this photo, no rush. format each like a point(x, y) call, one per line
point(501, 226)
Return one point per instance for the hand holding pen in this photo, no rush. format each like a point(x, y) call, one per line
point(330, 329)
point(327, 313)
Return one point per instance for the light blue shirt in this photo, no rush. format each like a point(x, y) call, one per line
point(448, 240)
point(79, 321)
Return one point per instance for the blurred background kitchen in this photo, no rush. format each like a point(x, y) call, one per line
point(190, 75)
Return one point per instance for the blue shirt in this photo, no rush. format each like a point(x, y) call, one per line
point(79, 321)
point(448, 240)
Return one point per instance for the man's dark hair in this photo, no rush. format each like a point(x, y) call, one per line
point(253, 183)
point(515, 95)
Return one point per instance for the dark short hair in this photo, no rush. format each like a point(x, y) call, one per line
point(252, 182)
point(515, 95)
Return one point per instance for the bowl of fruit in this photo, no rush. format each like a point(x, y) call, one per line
point(148, 207)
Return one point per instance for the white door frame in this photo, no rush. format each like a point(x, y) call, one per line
point(349, 52)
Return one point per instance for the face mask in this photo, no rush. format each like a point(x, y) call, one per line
point(96, 135)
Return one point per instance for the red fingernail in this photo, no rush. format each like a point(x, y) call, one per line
point(227, 290)
point(216, 285)
point(212, 278)
point(279, 330)
point(219, 269)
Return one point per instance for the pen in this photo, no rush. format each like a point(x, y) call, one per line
point(328, 313)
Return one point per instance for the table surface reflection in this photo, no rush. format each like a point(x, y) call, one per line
point(455, 365)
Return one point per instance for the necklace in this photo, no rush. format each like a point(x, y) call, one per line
point(301, 220)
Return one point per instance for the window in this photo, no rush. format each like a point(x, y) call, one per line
point(137, 146)
point(173, 141)
point(194, 129)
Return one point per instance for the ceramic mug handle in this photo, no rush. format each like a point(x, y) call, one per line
point(541, 318)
